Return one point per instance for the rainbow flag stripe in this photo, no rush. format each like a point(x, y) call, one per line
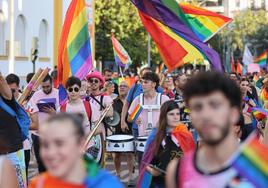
point(135, 114)
point(176, 42)
point(120, 54)
point(259, 113)
point(262, 59)
point(74, 52)
point(204, 23)
point(252, 162)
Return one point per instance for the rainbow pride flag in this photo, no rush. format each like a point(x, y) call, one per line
point(121, 56)
point(74, 51)
point(176, 42)
point(135, 114)
point(204, 23)
point(252, 162)
point(259, 113)
point(262, 59)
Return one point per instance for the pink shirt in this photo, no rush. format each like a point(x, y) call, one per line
point(144, 113)
point(41, 97)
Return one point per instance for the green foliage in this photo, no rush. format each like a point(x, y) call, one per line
point(121, 17)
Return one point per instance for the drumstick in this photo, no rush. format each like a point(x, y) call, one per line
point(155, 167)
point(105, 111)
point(27, 90)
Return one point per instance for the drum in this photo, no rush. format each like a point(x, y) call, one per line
point(95, 148)
point(140, 143)
point(120, 143)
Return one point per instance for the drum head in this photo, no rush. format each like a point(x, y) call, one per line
point(142, 138)
point(95, 147)
point(120, 137)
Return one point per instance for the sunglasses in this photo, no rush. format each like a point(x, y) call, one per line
point(76, 89)
point(123, 86)
point(93, 81)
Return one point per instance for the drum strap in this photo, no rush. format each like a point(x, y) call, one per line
point(152, 107)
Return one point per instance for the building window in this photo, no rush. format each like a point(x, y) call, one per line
point(20, 36)
point(2, 33)
point(43, 36)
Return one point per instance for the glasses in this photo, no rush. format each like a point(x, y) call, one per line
point(93, 81)
point(75, 89)
point(123, 86)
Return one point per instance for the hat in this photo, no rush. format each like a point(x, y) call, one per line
point(96, 74)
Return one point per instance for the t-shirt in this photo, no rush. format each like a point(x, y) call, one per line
point(144, 113)
point(47, 181)
point(135, 91)
point(80, 108)
point(10, 134)
point(41, 97)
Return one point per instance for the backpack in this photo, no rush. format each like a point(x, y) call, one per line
point(87, 108)
point(20, 115)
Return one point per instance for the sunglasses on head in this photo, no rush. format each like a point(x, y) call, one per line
point(75, 89)
point(94, 81)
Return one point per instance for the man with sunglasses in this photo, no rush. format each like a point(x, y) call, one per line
point(45, 102)
point(76, 105)
point(100, 100)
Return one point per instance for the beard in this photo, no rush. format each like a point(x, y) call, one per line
point(214, 142)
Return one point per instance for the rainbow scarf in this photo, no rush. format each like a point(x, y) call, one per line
point(261, 60)
point(176, 42)
point(252, 162)
point(136, 113)
point(121, 56)
point(204, 23)
point(74, 52)
point(180, 135)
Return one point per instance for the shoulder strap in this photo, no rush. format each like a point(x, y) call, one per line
point(88, 109)
point(141, 99)
point(101, 101)
point(7, 108)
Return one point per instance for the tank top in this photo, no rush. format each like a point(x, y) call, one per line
point(188, 176)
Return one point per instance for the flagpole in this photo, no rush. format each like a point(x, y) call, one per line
point(149, 50)
point(121, 72)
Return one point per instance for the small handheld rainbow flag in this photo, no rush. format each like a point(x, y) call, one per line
point(135, 114)
point(261, 60)
point(121, 56)
point(252, 162)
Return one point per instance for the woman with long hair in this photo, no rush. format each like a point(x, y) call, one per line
point(167, 142)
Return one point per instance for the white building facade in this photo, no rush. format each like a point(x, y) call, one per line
point(32, 19)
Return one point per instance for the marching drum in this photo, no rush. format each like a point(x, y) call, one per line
point(120, 143)
point(140, 143)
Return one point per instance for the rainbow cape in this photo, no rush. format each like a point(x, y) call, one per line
point(204, 23)
point(176, 42)
point(261, 60)
point(180, 135)
point(74, 52)
point(136, 113)
point(121, 56)
point(252, 162)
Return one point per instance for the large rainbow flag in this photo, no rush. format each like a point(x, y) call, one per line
point(262, 59)
point(252, 162)
point(121, 56)
point(204, 23)
point(176, 42)
point(74, 53)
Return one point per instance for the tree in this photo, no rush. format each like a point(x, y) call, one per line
point(120, 17)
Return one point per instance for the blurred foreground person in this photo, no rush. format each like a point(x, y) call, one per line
point(62, 150)
point(215, 110)
point(8, 176)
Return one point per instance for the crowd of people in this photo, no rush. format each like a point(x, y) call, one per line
point(179, 130)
